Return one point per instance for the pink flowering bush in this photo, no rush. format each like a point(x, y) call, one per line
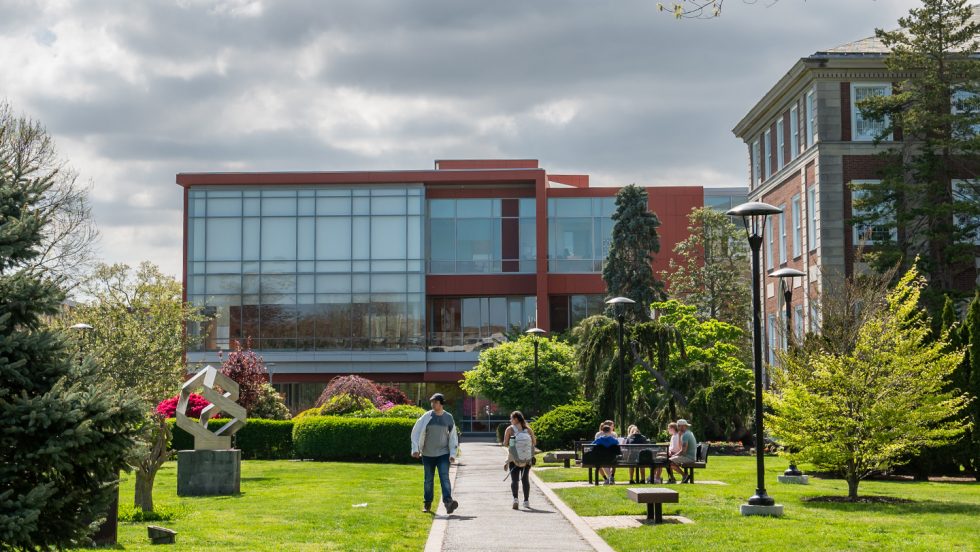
point(195, 404)
point(385, 406)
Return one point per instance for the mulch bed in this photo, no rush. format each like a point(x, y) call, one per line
point(860, 500)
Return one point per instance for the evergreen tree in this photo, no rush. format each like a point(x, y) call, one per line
point(64, 432)
point(937, 111)
point(712, 274)
point(628, 271)
point(967, 378)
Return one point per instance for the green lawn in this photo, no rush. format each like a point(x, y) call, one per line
point(942, 516)
point(294, 506)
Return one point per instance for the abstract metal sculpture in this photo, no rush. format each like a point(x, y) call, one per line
point(204, 438)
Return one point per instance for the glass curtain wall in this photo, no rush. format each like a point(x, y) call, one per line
point(309, 269)
point(569, 310)
point(579, 233)
point(470, 323)
point(479, 236)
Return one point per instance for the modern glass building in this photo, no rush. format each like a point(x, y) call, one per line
point(401, 276)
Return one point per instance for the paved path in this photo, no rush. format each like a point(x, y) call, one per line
point(485, 520)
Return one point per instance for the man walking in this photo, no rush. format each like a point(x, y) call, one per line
point(434, 439)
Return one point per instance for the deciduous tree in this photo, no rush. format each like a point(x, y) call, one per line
point(874, 400)
point(137, 336)
point(506, 375)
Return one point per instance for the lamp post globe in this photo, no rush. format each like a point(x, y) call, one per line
point(619, 304)
point(536, 333)
point(754, 215)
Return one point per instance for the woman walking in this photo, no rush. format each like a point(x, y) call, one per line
point(520, 455)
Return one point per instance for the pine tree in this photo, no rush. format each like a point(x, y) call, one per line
point(968, 379)
point(64, 432)
point(628, 271)
point(936, 110)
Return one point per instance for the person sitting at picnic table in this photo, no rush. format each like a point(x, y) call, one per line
point(672, 450)
point(689, 446)
point(634, 437)
point(606, 438)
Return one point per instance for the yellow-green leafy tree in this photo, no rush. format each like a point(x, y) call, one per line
point(864, 407)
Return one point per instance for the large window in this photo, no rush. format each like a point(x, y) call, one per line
point(756, 165)
point(811, 219)
point(568, 310)
point(473, 236)
point(797, 227)
point(966, 199)
point(811, 118)
point(767, 143)
point(866, 129)
point(780, 144)
point(472, 323)
point(770, 240)
point(782, 234)
point(579, 233)
point(875, 230)
point(308, 269)
point(794, 132)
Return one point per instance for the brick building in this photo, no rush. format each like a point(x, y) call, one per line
point(402, 276)
point(807, 144)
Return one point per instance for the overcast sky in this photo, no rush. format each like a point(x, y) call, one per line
point(137, 91)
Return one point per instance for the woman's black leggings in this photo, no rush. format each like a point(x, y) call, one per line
point(522, 474)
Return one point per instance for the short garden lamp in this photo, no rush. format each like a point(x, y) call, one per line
point(786, 276)
point(536, 333)
point(620, 303)
point(754, 215)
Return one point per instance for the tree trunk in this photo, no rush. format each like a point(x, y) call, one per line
point(852, 485)
point(158, 437)
point(144, 489)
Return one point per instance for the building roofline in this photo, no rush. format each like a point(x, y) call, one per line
point(358, 177)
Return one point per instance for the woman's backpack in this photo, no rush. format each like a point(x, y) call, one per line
point(522, 448)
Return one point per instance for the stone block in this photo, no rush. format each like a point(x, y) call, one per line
point(775, 510)
point(161, 535)
point(209, 472)
point(794, 479)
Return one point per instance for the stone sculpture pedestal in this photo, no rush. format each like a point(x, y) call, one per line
point(209, 472)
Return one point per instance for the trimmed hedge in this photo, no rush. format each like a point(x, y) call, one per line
point(260, 439)
point(340, 438)
point(560, 427)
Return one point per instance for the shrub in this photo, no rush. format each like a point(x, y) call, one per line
point(340, 438)
point(565, 424)
point(259, 439)
point(247, 369)
point(404, 411)
point(308, 412)
point(394, 395)
point(269, 405)
point(195, 404)
point(349, 385)
point(345, 404)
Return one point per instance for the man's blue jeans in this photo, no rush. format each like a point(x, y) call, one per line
point(429, 465)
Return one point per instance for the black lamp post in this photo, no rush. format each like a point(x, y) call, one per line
point(621, 317)
point(754, 215)
point(786, 276)
point(536, 332)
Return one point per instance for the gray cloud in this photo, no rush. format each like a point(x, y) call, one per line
point(610, 88)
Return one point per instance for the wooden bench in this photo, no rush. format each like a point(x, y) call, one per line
point(701, 462)
point(629, 457)
point(654, 498)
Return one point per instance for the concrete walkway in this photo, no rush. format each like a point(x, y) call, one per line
point(485, 520)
